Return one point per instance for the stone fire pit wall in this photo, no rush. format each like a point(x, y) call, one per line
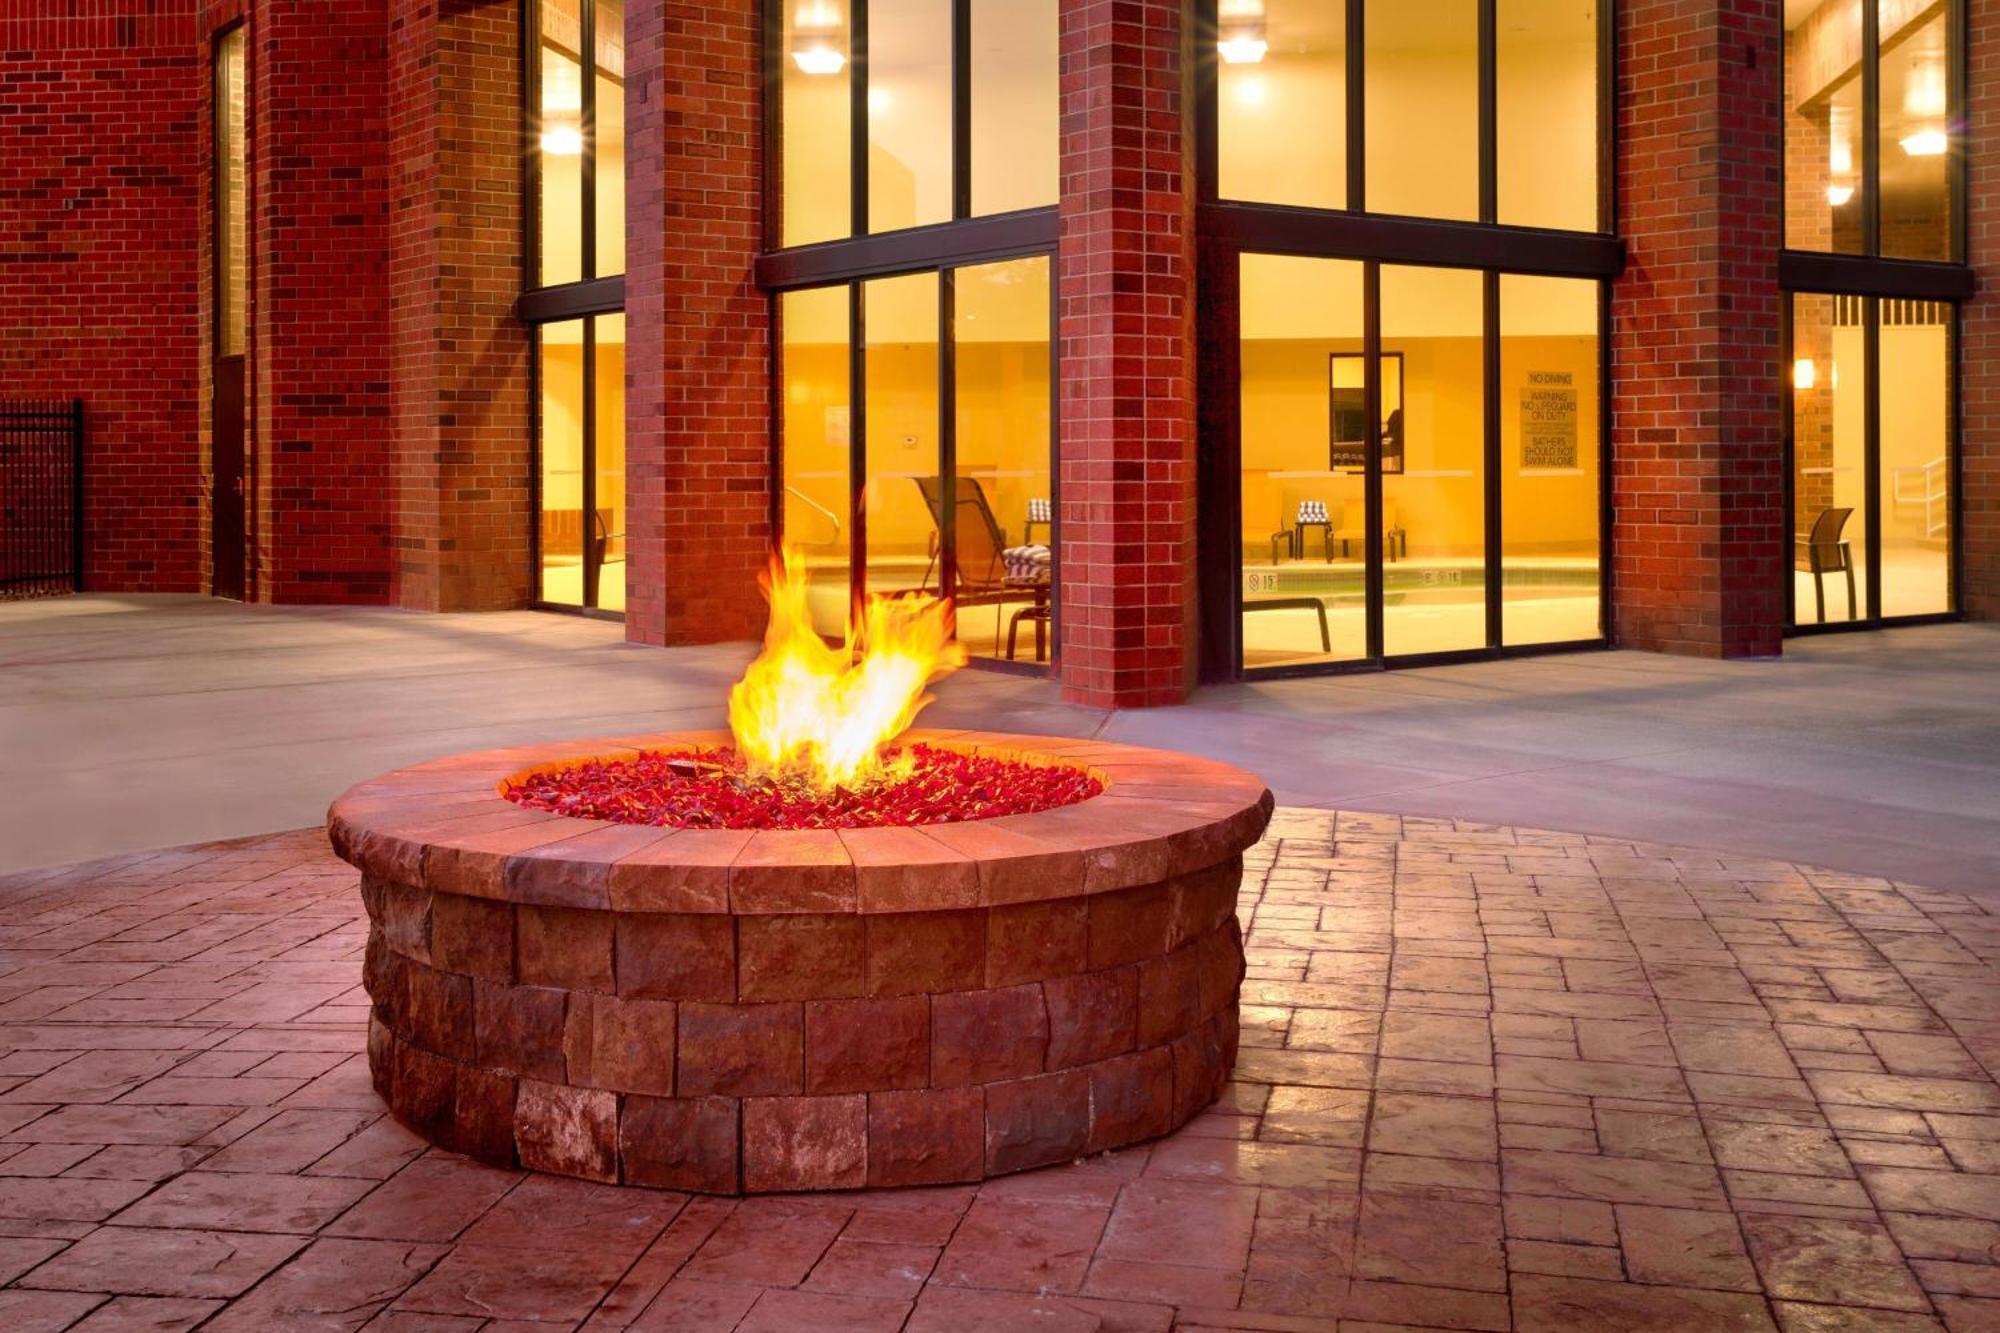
point(741, 1012)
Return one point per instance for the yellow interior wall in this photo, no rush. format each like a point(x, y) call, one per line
point(1914, 429)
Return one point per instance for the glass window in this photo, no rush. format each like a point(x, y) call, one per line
point(608, 462)
point(1829, 393)
point(815, 100)
point(562, 462)
point(909, 113)
point(903, 496)
point(1916, 474)
point(1303, 418)
point(1005, 524)
point(231, 198)
point(1421, 70)
point(1433, 460)
point(562, 143)
point(1281, 102)
point(1545, 90)
point(1550, 491)
point(818, 514)
point(1823, 152)
point(1826, 159)
point(608, 141)
point(1916, 135)
point(1016, 105)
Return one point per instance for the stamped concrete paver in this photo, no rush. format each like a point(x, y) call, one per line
point(1489, 1079)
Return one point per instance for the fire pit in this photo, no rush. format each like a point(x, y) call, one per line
point(915, 995)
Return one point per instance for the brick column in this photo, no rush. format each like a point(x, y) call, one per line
point(1697, 443)
point(1126, 324)
point(320, 365)
point(1979, 353)
point(102, 155)
point(698, 351)
point(461, 461)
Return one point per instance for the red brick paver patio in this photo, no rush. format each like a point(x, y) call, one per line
point(1490, 1079)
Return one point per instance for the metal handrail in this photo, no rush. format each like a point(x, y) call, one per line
point(816, 507)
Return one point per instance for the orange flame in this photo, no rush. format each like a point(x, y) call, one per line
point(805, 711)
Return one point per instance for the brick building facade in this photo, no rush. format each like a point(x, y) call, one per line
point(392, 363)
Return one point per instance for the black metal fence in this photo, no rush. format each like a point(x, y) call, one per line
point(41, 497)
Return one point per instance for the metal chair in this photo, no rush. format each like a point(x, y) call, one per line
point(1822, 552)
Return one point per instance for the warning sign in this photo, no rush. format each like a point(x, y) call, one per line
point(1548, 420)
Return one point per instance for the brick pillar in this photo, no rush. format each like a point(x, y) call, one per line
point(460, 426)
point(1979, 353)
point(102, 158)
point(1697, 487)
point(1126, 324)
point(320, 367)
point(698, 351)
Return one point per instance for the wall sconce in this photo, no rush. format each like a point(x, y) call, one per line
point(1804, 374)
point(1838, 195)
point(817, 40)
point(1926, 143)
point(562, 141)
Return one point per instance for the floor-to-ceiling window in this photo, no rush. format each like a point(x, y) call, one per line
point(1403, 234)
point(912, 231)
point(1874, 226)
point(575, 138)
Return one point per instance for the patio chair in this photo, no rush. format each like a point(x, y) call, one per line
point(983, 575)
point(1822, 552)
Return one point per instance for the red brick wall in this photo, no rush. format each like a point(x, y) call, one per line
point(459, 491)
point(101, 160)
point(1698, 456)
point(320, 361)
point(1979, 356)
point(1126, 323)
point(698, 443)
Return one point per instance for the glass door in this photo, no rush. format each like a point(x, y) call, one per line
point(1418, 471)
point(1873, 462)
point(580, 490)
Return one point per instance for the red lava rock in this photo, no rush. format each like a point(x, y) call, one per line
point(658, 788)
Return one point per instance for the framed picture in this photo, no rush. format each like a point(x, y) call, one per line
point(1349, 415)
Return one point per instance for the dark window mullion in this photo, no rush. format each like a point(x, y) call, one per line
point(961, 108)
point(1357, 110)
point(1371, 434)
point(1871, 130)
point(857, 449)
point(1956, 123)
point(586, 66)
point(1490, 366)
point(947, 434)
point(1871, 448)
point(1489, 128)
point(591, 553)
point(857, 111)
point(1789, 449)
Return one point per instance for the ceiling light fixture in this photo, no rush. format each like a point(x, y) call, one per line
point(816, 40)
point(562, 141)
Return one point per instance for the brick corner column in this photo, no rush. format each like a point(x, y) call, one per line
point(1125, 297)
point(1697, 427)
point(320, 380)
point(462, 509)
point(1979, 352)
point(698, 437)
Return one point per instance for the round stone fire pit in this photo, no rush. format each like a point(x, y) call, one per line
point(738, 1011)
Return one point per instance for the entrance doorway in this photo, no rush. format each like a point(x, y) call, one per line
point(227, 461)
point(1418, 473)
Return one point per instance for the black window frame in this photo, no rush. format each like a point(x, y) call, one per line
point(584, 299)
point(1227, 229)
point(965, 241)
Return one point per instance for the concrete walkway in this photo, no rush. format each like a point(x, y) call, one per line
point(132, 723)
